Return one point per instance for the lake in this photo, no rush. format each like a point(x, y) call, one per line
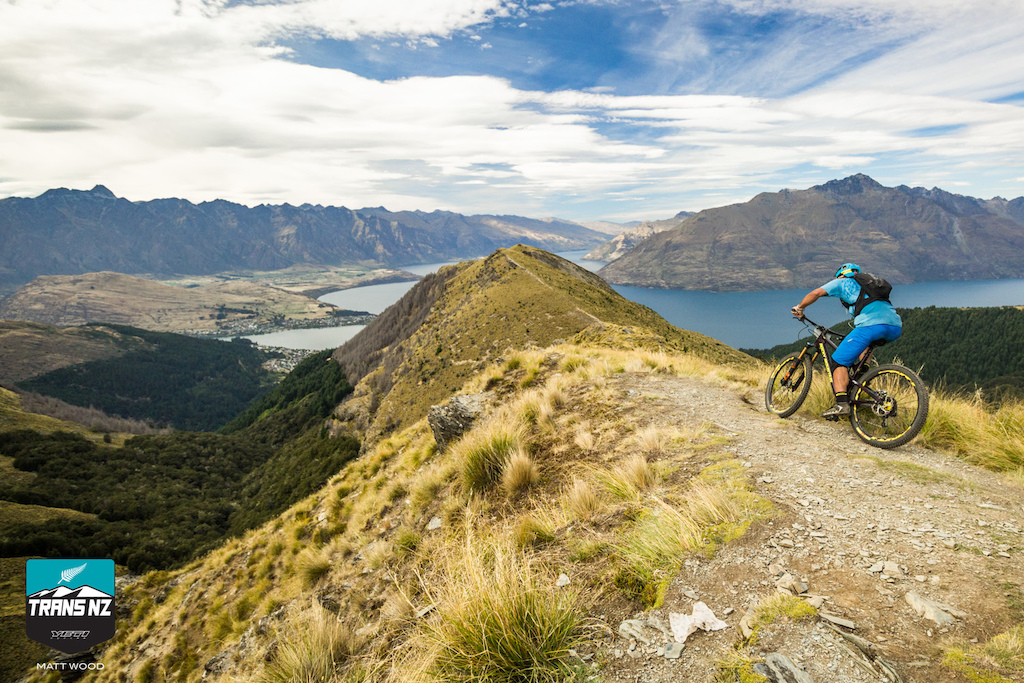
point(740, 319)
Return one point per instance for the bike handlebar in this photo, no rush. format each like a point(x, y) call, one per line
point(820, 329)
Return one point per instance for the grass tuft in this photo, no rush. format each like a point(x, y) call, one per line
point(630, 479)
point(519, 475)
point(580, 501)
point(311, 649)
point(313, 564)
point(484, 452)
point(498, 621)
point(652, 440)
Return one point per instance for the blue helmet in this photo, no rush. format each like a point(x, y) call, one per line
point(847, 270)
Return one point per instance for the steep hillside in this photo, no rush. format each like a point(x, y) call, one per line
point(600, 492)
point(604, 483)
point(450, 326)
point(793, 239)
point(617, 247)
point(168, 379)
point(30, 349)
point(68, 232)
point(106, 297)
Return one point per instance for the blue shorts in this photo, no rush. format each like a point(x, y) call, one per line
point(854, 344)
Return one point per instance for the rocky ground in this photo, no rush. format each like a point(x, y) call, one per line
point(862, 532)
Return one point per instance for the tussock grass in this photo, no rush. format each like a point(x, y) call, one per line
point(653, 440)
point(428, 485)
point(1004, 652)
point(665, 533)
point(629, 480)
point(499, 619)
point(580, 501)
point(519, 474)
point(584, 438)
point(1007, 649)
point(653, 552)
point(531, 532)
point(976, 433)
point(484, 452)
point(780, 606)
point(734, 667)
point(311, 649)
point(313, 564)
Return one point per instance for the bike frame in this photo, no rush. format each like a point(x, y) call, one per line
point(820, 345)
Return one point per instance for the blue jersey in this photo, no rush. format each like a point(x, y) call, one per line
point(875, 313)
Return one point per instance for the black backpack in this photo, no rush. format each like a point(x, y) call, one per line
point(872, 288)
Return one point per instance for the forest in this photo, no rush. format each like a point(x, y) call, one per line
point(173, 380)
point(162, 499)
point(961, 349)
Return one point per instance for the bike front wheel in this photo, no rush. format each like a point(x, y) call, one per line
point(788, 386)
point(889, 407)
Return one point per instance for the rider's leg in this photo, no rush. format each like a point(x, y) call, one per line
point(841, 379)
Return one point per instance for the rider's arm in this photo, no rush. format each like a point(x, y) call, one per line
point(811, 297)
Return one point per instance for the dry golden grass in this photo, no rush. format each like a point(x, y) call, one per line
point(519, 474)
point(312, 647)
point(584, 438)
point(484, 452)
point(499, 618)
point(313, 564)
point(976, 433)
point(580, 501)
point(653, 440)
point(630, 479)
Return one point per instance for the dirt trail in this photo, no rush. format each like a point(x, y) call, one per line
point(845, 510)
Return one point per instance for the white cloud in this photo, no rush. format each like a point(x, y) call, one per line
point(158, 99)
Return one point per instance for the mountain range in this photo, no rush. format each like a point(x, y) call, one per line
point(796, 238)
point(69, 232)
point(618, 246)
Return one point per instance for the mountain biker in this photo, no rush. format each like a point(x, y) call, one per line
point(877, 320)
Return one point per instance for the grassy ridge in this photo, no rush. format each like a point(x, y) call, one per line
point(477, 312)
point(489, 572)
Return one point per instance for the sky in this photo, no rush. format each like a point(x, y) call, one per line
point(581, 109)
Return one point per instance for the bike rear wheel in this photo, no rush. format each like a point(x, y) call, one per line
point(788, 386)
point(890, 407)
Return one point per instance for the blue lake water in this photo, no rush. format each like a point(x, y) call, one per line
point(740, 319)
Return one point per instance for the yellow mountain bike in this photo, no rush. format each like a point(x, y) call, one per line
point(888, 403)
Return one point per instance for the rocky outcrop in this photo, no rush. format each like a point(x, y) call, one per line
point(449, 421)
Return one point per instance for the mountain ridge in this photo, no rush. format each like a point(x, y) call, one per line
point(69, 232)
point(796, 238)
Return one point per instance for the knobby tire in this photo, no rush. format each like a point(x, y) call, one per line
point(788, 386)
point(901, 413)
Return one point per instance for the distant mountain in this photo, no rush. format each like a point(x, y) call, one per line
point(69, 232)
point(609, 228)
point(620, 244)
point(795, 239)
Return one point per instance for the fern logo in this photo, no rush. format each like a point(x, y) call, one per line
point(69, 604)
point(69, 574)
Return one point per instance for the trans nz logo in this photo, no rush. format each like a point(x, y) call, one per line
point(69, 604)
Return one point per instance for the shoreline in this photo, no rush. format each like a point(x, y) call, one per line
point(248, 328)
